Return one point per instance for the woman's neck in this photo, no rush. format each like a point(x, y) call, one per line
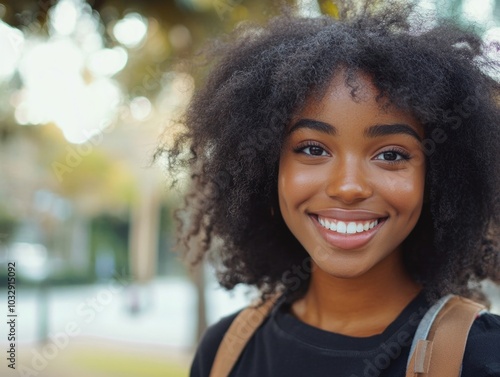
point(360, 307)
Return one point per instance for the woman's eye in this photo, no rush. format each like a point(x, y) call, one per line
point(311, 148)
point(392, 156)
point(314, 150)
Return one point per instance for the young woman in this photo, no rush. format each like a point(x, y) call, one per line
point(353, 167)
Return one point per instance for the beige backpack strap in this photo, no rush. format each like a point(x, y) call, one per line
point(441, 354)
point(237, 336)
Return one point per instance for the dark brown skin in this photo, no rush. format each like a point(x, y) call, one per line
point(356, 291)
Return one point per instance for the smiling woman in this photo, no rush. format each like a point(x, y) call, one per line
point(349, 170)
point(336, 164)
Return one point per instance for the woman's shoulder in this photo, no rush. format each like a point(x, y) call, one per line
point(209, 344)
point(482, 352)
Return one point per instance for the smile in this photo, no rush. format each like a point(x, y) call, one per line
point(345, 234)
point(346, 227)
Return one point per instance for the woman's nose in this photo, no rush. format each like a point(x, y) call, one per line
point(348, 181)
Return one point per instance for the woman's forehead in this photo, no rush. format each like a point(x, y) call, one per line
point(347, 89)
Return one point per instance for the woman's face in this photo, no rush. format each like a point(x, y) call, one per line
point(351, 178)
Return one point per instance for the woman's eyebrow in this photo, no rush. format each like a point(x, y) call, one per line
point(314, 125)
point(376, 130)
point(391, 129)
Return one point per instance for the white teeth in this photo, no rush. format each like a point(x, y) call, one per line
point(349, 228)
point(341, 227)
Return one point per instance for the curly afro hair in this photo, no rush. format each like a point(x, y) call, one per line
point(234, 128)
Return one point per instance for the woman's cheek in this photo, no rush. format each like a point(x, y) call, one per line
point(298, 182)
point(404, 189)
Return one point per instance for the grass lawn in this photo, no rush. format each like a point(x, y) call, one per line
point(126, 365)
point(99, 358)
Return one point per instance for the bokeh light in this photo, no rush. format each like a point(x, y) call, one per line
point(11, 45)
point(131, 30)
point(64, 16)
point(108, 61)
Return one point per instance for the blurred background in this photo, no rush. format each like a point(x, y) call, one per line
point(86, 91)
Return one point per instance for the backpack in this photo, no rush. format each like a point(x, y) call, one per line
point(437, 349)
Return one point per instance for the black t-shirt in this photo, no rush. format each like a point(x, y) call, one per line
point(285, 346)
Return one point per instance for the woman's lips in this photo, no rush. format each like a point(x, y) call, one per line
point(347, 239)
